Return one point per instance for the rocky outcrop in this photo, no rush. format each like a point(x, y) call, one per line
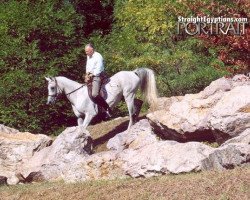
point(231, 115)
point(73, 145)
point(17, 148)
point(141, 134)
point(244, 137)
point(134, 153)
point(140, 154)
point(6, 129)
point(221, 111)
point(228, 157)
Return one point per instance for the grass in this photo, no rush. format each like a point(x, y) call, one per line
point(104, 131)
point(229, 184)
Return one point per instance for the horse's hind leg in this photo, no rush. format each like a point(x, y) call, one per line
point(130, 104)
point(137, 104)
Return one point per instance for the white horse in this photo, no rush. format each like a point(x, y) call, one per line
point(123, 83)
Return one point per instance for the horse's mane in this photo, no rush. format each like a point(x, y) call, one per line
point(63, 78)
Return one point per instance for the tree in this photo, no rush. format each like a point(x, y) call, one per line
point(37, 39)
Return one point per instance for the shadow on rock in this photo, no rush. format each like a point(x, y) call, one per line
point(118, 129)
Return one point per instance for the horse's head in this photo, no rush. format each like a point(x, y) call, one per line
point(53, 90)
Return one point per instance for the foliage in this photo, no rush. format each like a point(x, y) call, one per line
point(40, 38)
point(144, 35)
point(37, 39)
point(234, 50)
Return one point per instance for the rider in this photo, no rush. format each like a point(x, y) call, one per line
point(95, 67)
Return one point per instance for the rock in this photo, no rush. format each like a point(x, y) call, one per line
point(220, 85)
point(20, 178)
point(140, 154)
point(34, 177)
point(13, 180)
point(231, 115)
point(216, 113)
point(156, 159)
point(70, 147)
point(165, 157)
point(244, 137)
point(166, 102)
point(104, 165)
point(228, 157)
point(16, 148)
point(3, 180)
point(139, 135)
point(6, 129)
point(239, 79)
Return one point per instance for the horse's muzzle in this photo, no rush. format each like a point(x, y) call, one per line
point(50, 102)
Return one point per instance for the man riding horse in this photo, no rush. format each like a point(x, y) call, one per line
point(94, 75)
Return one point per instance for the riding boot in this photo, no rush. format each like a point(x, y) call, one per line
point(101, 102)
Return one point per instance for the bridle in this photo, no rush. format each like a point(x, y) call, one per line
point(58, 88)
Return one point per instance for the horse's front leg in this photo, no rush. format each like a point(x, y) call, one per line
point(80, 121)
point(79, 116)
point(87, 119)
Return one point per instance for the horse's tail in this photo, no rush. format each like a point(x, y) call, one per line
point(148, 86)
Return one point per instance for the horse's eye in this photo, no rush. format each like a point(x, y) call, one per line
point(52, 88)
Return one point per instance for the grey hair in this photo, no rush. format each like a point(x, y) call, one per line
point(89, 45)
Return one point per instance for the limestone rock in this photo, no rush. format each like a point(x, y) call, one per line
point(104, 165)
point(70, 147)
point(244, 137)
point(6, 129)
point(231, 115)
point(228, 156)
point(16, 148)
point(139, 135)
point(166, 102)
point(165, 157)
point(217, 112)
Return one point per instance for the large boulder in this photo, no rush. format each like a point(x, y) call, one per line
point(217, 112)
point(172, 157)
point(103, 165)
point(244, 138)
point(165, 157)
point(231, 115)
point(17, 148)
point(228, 157)
point(139, 135)
point(73, 145)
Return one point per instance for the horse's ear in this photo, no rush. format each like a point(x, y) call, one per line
point(48, 79)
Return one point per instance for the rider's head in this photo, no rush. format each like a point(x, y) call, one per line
point(89, 49)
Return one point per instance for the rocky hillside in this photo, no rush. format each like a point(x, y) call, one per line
point(168, 141)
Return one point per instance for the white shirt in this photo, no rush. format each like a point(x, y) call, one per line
point(95, 64)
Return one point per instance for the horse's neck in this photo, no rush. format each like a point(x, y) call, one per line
point(68, 86)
